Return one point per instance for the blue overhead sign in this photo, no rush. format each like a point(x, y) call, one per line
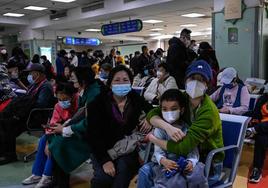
point(81, 41)
point(122, 27)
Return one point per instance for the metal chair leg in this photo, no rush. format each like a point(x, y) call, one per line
point(29, 156)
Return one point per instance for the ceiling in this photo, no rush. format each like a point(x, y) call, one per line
point(170, 13)
point(17, 6)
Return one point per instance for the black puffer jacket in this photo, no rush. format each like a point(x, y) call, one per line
point(177, 60)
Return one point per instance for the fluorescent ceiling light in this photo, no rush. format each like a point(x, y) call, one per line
point(193, 15)
point(152, 21)
point(157, 29)
point(13, 14)
point(64, 1)
point(56, 19)
point(198, 33)
point(35, 8)
point(154, 34)
point(188, 25)
point(93, 30)
point(163, 37)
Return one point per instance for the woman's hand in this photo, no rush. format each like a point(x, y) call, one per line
point(224, 110)
point(145, 126)
point(169, 164)
point(47, 152)
point(174, 133)
point(58, 129)
point(109, 168)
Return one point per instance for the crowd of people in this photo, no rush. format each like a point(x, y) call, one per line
point(99, 116)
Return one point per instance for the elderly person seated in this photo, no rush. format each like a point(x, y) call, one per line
point(160, 84)
point(13, 117)
point(233, 97)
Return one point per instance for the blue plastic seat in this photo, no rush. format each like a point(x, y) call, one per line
point(233, 132)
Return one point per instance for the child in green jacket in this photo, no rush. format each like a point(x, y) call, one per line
point(205, 130)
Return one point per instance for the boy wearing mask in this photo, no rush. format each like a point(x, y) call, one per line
point(172, 104)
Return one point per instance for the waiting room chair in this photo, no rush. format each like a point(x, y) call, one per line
point(36, 118)
point(233, 132)
point(138, 90)
point(253, 101)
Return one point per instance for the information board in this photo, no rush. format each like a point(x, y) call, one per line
point(81, 41)
point(122, 27)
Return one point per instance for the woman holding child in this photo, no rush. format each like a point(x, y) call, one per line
point(204, 133)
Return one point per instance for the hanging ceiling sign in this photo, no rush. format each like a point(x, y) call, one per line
point(122, 27)
point(81, 41)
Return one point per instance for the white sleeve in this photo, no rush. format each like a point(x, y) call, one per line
point(151, 91)
point(67, 131)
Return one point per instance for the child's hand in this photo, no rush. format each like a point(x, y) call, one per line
point(58, 129)
point(169, 164)
point(189, 168)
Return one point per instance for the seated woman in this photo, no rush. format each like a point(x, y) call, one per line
point(172, 104)
point(67, 147)
point(63, 110)
point(113, 115)
point(160, 84)
point(149, 75)
point(104, 72)
point(205, 130)
point(232, 97)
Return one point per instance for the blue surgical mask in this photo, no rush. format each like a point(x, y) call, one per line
point(229, 86)
point(121, 90)
point(30, 79)
point(65, 104)
point(104, 75)
point(146, 72)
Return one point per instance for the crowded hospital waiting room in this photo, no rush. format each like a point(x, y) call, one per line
point(133, 94)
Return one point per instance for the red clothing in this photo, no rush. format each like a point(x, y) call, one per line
point(60, 115)
point(4, 104)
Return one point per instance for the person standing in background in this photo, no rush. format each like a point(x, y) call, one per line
point(61, 62)
point(74, 59)
point(177, 58)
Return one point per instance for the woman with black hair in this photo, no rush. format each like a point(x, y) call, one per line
point(207, 53)
point(112, 116)
point(67, 146)
point(20, 57)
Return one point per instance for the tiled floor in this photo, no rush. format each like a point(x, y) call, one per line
point(11, 175)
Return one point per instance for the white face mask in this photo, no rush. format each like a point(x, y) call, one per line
point(159, 74)
point(195, 89)
point(171, 116)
